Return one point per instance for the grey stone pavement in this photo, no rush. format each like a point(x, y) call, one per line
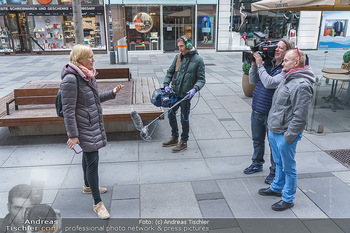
point(146, 180)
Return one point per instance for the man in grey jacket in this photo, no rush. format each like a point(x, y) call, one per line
point(287, 119)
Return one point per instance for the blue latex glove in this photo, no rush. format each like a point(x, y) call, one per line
point(192, 92)
point(166, 88)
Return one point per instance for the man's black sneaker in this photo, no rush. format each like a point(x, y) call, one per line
point(269, 179)
point(282, 205)
point(253, 168)
point(269, 192)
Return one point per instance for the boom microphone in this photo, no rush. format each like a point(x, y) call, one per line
point(137, 120)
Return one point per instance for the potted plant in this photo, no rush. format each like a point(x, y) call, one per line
point(247, 87)
point(346, 60)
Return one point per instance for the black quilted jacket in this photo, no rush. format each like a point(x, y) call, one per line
point(82, 110)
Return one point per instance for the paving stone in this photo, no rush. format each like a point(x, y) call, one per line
point(3, 204)
point(122, 151)
point(58, 154)
point(5, 153)
point(125, 208)
point(339, 140)
point(305, 145)
point(219, 89)
point(234, 104)
point(53, 176)
point(171, 200)
point(317, 162)
point(231, 125)
point(215, 209)
point(221, 113)
point(173, 171)
point(209, 196)
point(243, 119)
point(322, 226)
point(199, 106)
point(272, 225)
point(227, 230)
point(205, 186)
point(239, 134)
point(232, 167)
point(109, 174)
point(126, 192)
point(305, 208)
point(321, 190)
point(81, 206)
point(49, 195)
point(226, 147)
point(155, 151)
point(242, 197)
point(344, 176)
point(203, 127)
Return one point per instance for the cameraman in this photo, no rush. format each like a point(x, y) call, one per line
point(266, 76)
point(19, 201)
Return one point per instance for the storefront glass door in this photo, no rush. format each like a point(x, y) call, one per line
point(19, 32)
point(178, 21)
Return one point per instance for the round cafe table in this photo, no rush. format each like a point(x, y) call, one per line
point(335, 71)
point(332, 99)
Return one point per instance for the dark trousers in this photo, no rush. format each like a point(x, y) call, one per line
point(259, 131)
point(90, 170)
point(185, 120)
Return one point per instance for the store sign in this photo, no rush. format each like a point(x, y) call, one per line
point(51, 8)
point(44, 1)
point(143, 22)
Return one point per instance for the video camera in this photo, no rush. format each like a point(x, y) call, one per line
point(265, 48)
point(42, 217)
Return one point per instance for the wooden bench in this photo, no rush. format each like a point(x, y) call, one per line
point(113, 73)
point(36, 96)
point(36, 113)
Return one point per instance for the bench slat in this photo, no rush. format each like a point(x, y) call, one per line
point(138, 89)
point(113, 73)
point(35, 100)
point(36, 92)
point(145, 91)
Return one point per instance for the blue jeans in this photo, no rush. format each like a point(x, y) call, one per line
point(185, 120)
point(259, 131)
point(90, 170)
point(286, 169)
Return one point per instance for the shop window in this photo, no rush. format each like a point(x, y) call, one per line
point(275, 24)
point(57, 32)
point(14, 2)
point(93, 31)
point(83, 2)
point(5, 42)
point(206, 26)
point(46, 32)
point(143, 27)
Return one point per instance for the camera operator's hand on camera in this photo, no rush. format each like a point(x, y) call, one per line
point(258, 59)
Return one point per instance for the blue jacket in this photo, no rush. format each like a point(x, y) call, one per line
point(262, 97)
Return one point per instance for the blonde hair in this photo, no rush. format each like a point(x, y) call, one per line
point(79, 51)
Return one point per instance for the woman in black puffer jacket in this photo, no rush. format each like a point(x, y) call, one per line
point(83, 117)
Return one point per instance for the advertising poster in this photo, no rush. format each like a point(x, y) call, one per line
point(334, 30)
point(205, 29)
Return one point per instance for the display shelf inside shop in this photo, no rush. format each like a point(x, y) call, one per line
point(50, 37)
point(5, 45)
